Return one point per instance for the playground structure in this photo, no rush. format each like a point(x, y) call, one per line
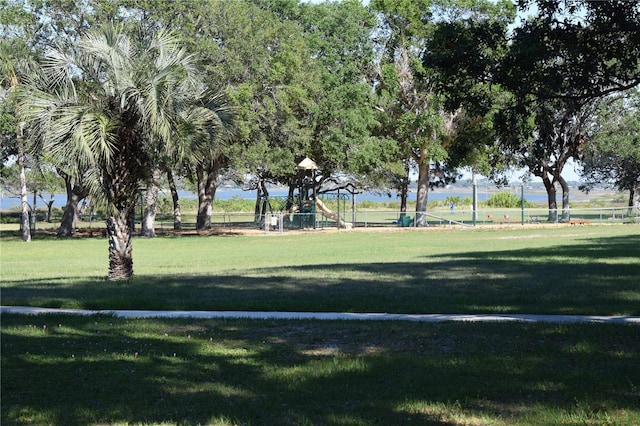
point(310, 208)
point(334, 215)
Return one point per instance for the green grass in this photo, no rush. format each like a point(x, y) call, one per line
point(558, 270)
point(66, 370)
point(103, 370)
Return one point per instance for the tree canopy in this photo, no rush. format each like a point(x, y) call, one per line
point(368, 91)
point(549, 70)
point(613, 154)
point(111, 103)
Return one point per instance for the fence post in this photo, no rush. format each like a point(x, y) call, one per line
point(522, 200)
point(34, 214)
point(353, 208)
point(267, 222)
point(475, 202)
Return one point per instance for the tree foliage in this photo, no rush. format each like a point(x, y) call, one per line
point(110, 103)
point(367, 92)
point(613, 154)
point(575, 49)
point(17, 60)
point(344, 143)
point(412, 84)
point(551, 68)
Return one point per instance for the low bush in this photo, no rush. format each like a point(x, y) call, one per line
point(507, 200)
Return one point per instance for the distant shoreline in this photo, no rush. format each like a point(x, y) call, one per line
point(12, 204)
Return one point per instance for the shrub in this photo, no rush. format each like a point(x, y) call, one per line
point(187, 205)
point(451, 199)
point(367, 204)
point(506, 200)
point(235, 204)
point(10, 217)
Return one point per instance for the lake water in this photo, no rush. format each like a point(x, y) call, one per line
point(13, 203)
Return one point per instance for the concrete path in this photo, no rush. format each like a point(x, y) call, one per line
point(26, 310)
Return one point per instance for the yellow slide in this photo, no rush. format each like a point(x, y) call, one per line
point(332, 215)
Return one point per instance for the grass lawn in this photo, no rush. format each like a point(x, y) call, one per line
point(66, 370)
point(590, 270)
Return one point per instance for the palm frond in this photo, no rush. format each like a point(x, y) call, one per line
point(97, 132)
point(60, 69)
point(111, 56)
point(112, 96)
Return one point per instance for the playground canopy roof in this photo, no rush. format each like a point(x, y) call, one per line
point(307, 164)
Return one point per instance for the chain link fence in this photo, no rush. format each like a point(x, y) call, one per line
point(349, 219)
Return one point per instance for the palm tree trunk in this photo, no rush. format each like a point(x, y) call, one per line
point(120, 246)
point(24, 219)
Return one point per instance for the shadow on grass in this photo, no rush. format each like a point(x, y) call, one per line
point(594, 277)
point(102, 370)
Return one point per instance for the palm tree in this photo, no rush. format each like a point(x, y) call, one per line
point(114, 104)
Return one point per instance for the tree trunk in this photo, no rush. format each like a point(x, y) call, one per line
point(203, 221)
point(290, 200)
point(120, 247)
point(265, 200)
point(423, 192)
point(177, 215)
point(256, 211)
point(551, 198)
point(404, 190)
point(49, 205)
point(34, 211)
point(70, 208)
point(66, 228)
point(634, 199)
point(565, 198)
point(24, 218)
point(148, 228)
point(206, 192)
point(75, 193)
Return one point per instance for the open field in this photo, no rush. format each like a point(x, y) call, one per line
point(590, 270)
point(64, 370)
point(59, 369)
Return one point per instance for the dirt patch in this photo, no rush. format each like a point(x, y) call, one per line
point(521, 237)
